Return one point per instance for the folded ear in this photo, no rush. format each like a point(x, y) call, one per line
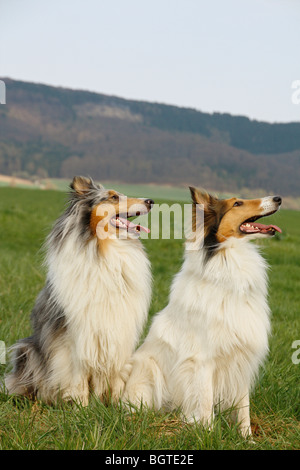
point(81, 184)
point(199, 196)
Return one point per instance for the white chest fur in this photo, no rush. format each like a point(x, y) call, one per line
point(105, 299)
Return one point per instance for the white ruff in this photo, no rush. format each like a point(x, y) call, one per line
point(105, 300)
point(206, 346)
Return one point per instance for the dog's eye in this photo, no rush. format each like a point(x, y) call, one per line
point(115, 197)
point(238, 203)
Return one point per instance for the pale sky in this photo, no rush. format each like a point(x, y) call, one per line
point(235, 56)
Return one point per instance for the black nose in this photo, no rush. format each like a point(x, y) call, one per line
point(149, 202)
point(277, 199)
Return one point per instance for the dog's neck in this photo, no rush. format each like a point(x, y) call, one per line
point(235, 265)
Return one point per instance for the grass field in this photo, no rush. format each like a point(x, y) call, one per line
point(157, 191)
point(25, 218)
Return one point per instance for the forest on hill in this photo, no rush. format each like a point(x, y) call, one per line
point(55, 132)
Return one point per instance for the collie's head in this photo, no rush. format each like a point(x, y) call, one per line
point(96, 212)
point(234, 217)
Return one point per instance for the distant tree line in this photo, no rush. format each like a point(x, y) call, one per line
point(55, 132)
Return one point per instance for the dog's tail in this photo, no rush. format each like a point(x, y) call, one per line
point(26, 368)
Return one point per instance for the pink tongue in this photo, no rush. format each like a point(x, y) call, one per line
point(133, 226)
point(263, 227)
point(144, 229)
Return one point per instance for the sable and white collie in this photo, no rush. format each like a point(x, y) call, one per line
point(205, 347)
point(87, 319)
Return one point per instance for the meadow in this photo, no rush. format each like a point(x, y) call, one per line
point(25, 219)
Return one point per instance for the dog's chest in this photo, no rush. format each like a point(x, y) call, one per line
point(99, 292)
point(224, 303)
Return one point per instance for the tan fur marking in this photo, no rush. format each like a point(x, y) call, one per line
point(94, 221)
point(235, 216)
point(231, 217)
point(112, 207)
point(102, 243)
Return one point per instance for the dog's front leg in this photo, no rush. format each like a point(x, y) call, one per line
point(77, 392)
point(197, 391)
point(243, 415)
point(203, 405)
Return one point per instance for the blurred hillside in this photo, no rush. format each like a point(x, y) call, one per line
point(50, 132)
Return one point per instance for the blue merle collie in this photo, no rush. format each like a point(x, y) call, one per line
point(87, 319)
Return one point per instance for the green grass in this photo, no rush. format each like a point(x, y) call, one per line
point(25, 219)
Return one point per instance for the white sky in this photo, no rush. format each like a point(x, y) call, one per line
point(236, 56)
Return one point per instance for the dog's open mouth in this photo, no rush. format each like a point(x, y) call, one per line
point(121, 222)
point(251, 226)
